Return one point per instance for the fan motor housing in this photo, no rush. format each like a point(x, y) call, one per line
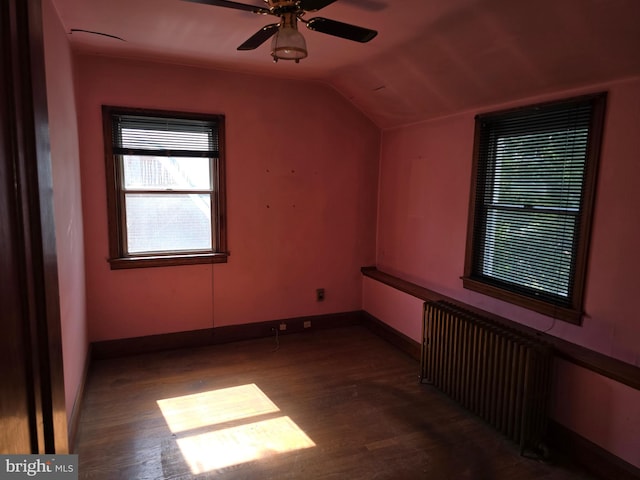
point(280, 7)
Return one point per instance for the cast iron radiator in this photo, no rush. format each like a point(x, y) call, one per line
point(500, 374)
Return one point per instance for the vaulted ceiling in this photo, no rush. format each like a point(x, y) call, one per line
point(430, 58)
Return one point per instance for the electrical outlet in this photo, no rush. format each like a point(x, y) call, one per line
point(307, 324)
point(283, 326)
point(319, 294)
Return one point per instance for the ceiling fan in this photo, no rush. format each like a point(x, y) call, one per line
point(288, 43)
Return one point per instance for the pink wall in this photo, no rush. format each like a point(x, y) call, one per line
point(301, 207)
point(395, 308)
point(422, 220)
point(600, 409)
point(425, 174)
point(63, 130)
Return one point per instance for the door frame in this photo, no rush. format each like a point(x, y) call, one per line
point(29, 221)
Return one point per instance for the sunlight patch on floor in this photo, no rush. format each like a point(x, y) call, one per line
point(215, 407)
point(246, 443)
point(215, 443)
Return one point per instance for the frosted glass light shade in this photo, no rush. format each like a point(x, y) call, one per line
point(288, 44)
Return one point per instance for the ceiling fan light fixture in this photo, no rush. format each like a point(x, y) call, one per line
point(288, 43)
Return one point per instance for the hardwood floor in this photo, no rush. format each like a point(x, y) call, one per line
point(327, 404)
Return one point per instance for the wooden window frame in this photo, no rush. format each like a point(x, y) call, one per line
point(472, 280)
point(119, 258)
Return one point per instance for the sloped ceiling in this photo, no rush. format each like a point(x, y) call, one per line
point(430, 58)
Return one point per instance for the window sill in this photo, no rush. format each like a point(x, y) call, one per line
point(608, 366)
point(167, 260)
point(554, 311)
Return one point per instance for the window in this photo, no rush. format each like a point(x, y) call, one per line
point(531, 200)
point(165, 188)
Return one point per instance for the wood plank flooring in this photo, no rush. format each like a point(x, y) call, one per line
point(327, 404)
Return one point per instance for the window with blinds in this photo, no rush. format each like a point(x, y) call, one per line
point(532, 197)
point(165, 187)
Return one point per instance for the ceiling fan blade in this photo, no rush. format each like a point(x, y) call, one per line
point(315, 5)
point(342, 30)
point(236, 5)
point(258, 38)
